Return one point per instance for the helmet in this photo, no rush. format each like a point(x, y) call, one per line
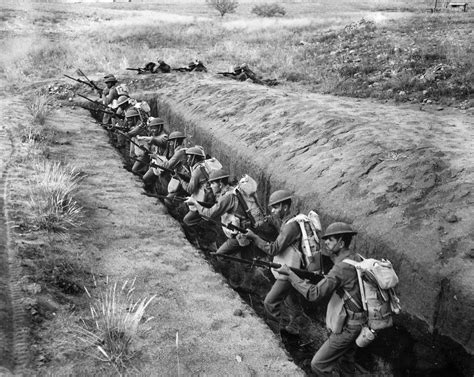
point(218, 174)
point(122, 99)
point(156, 122)
point(338, 228)
point(176, 135)
point(132, 112)
point(110, 78)
point(278, 197)
point(197, 151)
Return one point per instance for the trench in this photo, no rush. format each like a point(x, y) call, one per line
point(406, 349)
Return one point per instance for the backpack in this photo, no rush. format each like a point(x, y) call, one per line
point(310, 228)
point(122, 90)
point(377, 280)
point(245, 191)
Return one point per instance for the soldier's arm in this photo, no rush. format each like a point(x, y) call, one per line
point(288, 235)
point(315, 292)
point(174, 161)
point(225, 204)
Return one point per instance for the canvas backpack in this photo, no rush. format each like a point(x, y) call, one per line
point(122, 89)
point(310, 227)
point(377, 282)
point(245, 192)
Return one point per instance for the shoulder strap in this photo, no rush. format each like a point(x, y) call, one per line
point(244, 206)
point(359, 278)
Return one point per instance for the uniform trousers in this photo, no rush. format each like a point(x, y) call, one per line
point(337, 353)
point(282, 292)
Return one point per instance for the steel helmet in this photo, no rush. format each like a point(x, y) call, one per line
point(278, 197)
point(110, 78)
point(218, 174)
point(338, 228)
point(176, 135)
point(197, 151)
point(132, 112)
point(122, 99)
point(156, 122)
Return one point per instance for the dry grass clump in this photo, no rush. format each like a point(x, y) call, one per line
point(51, 197)
point(116, 317)
point(40, 108)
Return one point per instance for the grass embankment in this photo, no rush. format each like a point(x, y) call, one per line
point(46, 214)
point(380, 50)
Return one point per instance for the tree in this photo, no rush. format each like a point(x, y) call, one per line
point(223, 6)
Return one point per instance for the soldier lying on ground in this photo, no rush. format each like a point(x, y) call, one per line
point(242, 73)
point(159, 67)
point(195, 66)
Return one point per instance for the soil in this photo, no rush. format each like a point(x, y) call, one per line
point(400, 174)
point(128, 236)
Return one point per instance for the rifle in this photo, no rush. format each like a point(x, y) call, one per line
point(182, 69)
point(81, 81)
point(91, 83)
point(131, 141)
point(120, 116)
point(226, 73)
point(303, 274)
point(91, 100)
point(139, 70)
point(229, 226)
point(172, 172)
point(177, 198)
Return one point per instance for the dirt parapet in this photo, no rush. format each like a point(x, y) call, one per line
point(402, 177)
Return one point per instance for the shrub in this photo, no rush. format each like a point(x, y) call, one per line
point(40, 108)
point(269, 10)
point(116, 316)
point(223, 6)
point(52, 186)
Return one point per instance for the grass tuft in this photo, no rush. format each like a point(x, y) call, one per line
point(51, 201)
point(116, 316)
point(40, 108)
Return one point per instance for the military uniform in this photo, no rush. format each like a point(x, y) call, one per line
point(339, 350)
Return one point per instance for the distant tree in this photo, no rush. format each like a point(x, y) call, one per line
point(223, 6)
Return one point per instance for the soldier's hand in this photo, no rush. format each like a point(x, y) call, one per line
point(284, 270)
point(191, 201)
point(250, 234)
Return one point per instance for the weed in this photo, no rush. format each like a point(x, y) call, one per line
point(116, 316)
point(40, 108)
point(51, 202)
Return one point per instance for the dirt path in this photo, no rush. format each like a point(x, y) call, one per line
point(131, 236)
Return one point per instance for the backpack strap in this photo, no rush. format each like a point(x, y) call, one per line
point(359, 278)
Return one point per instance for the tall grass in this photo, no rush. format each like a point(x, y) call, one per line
point(51, 196)
point(40, 108)
point(116, 317)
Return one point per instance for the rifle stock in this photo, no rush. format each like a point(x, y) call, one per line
point(303, 274)
point(229, 226)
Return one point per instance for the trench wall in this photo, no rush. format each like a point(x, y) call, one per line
point(402, 181)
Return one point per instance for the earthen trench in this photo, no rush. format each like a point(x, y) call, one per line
point(409, 347)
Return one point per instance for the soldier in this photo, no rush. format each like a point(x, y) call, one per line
point(108, 95)
point(197, 186)
point(160, 66)
point(341, 284)
point(285, 250)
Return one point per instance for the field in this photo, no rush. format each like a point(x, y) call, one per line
point(384, 49)
point(403, 150)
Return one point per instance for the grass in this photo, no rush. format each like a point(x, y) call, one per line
point(115, 319)
point(51, 197)
point(347, 50)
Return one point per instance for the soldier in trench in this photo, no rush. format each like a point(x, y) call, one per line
point(285, 249)
point(108, 95)
point(341, 284)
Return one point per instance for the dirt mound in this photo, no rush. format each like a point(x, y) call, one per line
point(402, 177)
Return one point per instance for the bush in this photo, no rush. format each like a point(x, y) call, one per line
point(223, 6)
point(269, 10)
point(116, 316)
point(52, 187)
